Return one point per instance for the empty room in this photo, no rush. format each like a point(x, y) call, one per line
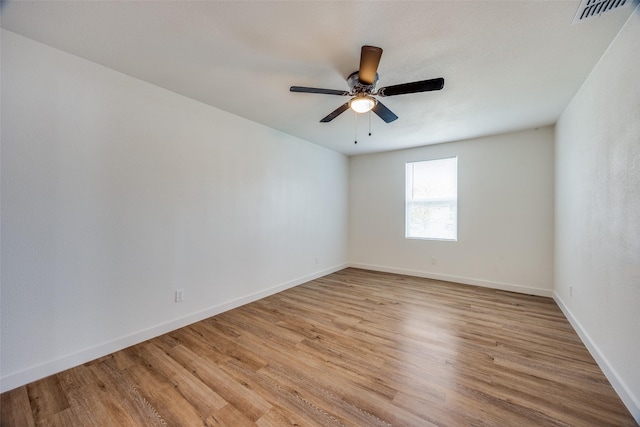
point(320, 213)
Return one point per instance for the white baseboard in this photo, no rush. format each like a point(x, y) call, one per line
point(458, 279)
point(631, 401)
point(26, 376)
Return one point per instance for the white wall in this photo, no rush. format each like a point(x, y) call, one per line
point(116, 192)
point(598, 213)
point(505, 213)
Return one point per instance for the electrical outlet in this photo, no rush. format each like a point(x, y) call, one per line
point(570, 291)
point(316, 260)
point(179, 295)
point(434, 261)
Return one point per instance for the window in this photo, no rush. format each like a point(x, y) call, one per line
point(432, 200)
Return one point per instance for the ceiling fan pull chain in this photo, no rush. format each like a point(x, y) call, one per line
point(355, 127)
point(369, 122)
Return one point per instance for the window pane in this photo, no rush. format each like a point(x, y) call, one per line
point(432, 199)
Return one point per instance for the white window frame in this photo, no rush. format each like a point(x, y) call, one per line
point(444, 207)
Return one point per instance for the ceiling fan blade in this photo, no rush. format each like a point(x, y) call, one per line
point(369, 60)
point(384, 113)
point(335, 113)
point(421, 86)
point(318, 90)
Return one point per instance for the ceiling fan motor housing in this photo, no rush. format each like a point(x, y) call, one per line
point(356, 86)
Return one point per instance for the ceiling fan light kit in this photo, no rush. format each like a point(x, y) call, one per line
point(362, 103)
point(362, 88)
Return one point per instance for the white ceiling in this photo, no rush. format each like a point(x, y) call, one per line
point(507, 65)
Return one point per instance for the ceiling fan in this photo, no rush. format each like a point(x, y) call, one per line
point(362, 88)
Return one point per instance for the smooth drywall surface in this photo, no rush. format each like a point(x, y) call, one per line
point(116, 193)
point(597, 243)
point(505, 213)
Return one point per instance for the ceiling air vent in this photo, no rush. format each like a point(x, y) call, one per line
point(589, 8)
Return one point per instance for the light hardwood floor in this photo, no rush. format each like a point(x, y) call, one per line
point(354, 348)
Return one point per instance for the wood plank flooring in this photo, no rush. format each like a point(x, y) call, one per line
point(354, 348)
